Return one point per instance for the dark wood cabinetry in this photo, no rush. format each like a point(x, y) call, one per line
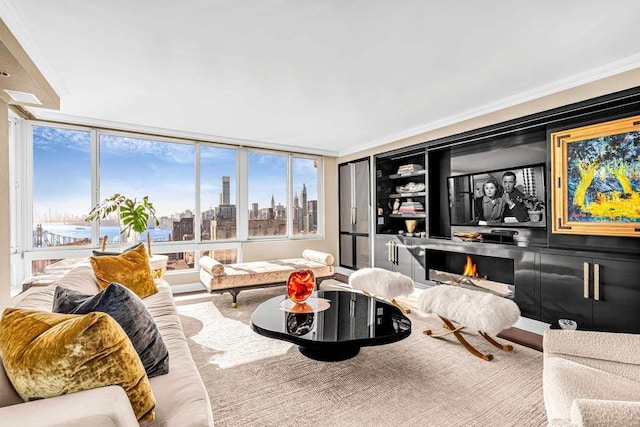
point(590, 279)
point(355, 208)
point(401, 254)
point(598, 293)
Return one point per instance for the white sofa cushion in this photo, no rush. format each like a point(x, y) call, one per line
point(565, 380)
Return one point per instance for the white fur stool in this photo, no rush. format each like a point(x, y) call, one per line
point(383, 284)
point(485, 312)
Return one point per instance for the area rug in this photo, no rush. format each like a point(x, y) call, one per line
point(420, 381)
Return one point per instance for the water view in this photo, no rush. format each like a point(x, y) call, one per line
point(56, 234)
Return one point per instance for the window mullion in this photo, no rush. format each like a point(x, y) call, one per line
point(95, 184)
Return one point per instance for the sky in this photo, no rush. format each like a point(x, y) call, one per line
point(164, 171)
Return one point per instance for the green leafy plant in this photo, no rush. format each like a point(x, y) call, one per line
point(133, 215)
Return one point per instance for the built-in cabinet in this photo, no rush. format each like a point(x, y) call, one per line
point(401, 194)
point(355, 211)
point(590, 279)
point(598, 293)
point(401, 213)
point(401, 254)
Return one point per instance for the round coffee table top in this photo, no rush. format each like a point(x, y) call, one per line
point(353, 320)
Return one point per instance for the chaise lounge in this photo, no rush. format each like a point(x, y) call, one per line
point(233, 278)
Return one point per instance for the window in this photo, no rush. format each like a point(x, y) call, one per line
point(162, 170)
point(208, 198)
point(267, 194)
point(218, 193)
point(305, 199)
point(61, 186)
point(224, 256)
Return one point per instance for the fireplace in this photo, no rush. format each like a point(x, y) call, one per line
point(479, 272)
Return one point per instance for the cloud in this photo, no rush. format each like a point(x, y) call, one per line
point(163, 150)
point(50, 138)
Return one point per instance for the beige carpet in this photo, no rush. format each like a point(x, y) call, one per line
point(420, 381)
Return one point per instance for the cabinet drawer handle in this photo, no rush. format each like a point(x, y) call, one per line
point(393, 253)
point(596, 282)
point(585, 277)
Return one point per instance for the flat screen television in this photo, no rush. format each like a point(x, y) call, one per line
point(513, 197)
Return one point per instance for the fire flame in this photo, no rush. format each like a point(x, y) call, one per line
point(470, 268)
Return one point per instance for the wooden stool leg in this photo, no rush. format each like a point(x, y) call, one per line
point(503, 347)
point(402, 309)
point(456, 332)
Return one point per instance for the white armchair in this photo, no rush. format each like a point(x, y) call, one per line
point(591, 378)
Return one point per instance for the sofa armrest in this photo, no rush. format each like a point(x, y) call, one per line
point(612, 413)
point(105, 406)
point(212, 266)
point(615, 347)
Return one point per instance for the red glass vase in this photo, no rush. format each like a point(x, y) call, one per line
point(300, 285)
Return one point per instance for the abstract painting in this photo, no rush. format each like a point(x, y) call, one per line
point(596, 179)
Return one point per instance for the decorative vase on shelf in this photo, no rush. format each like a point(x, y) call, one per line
point(300, 285)
point(411, 225)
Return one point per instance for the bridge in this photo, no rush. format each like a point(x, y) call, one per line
point(44, 238)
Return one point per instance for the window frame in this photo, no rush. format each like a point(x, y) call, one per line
point(24, 196)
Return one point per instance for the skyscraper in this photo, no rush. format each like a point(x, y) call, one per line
point(226, 192)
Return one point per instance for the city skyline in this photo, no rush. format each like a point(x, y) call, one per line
point(162, 170)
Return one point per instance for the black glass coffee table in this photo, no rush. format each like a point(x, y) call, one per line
point(352, 321)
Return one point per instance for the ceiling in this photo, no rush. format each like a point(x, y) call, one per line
point(328, 77)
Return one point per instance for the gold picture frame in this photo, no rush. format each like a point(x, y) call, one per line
point(596, 179)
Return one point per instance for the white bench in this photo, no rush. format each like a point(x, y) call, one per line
point(483, 311)
point(233, 278)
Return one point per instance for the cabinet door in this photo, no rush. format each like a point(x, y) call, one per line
point(362, 252)
point(361, 197)
point(418, 254)
point(346, 250)
point(382, 254)
point(562, 284)
point(617, 309)
point(346, 185)
point(404, 256)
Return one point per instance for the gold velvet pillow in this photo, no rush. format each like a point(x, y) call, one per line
point(131, 269)
point(50, 354)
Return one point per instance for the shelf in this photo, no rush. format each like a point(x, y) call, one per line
point(409, 215)
point(397, 196)
point(407, 175)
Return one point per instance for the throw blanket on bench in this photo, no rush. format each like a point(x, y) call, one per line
point(235, 277)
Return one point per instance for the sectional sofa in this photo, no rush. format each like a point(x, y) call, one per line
point(180, 395)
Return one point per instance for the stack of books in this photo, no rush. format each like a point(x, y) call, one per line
point(410, 168)
point(411, 207)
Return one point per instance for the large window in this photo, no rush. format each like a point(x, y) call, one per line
point(61, 186)
point(267, 194)
point(207, 197)
point(162, 170)
point(218, 193)
point(305, 199)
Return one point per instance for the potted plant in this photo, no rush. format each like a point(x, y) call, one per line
point(535, 207)
point(133, 215)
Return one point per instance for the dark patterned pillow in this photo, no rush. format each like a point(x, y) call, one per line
point(129, 311)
